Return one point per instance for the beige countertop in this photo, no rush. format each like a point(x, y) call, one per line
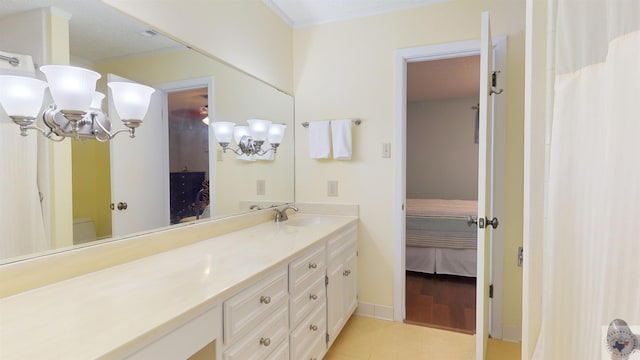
point(109, 312)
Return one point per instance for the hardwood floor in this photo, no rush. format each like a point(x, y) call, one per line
point(441, 301)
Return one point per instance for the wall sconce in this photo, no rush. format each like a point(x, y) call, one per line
point(76, 110)
point(249, 138)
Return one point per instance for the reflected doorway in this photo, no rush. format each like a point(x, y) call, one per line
point(188, 135)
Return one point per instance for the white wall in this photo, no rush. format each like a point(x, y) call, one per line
point(346, 69)
point(442, 156)
point(246, 34)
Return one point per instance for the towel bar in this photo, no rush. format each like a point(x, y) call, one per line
point(354, 121)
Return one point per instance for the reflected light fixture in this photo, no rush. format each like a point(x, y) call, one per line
point(205, 111)
point(249, 138)
point(76, 111)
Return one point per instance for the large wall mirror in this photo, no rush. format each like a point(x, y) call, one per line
point(173, 172)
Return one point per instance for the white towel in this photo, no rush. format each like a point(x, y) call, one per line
point(319, 140)
point(25, 66)
point(341, 137)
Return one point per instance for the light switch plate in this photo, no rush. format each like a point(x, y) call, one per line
point(260, 187)
point(332, 188)
point(386, 150)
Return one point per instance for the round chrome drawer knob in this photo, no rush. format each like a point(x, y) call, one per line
point(313, 297)
point(313, 327)
point(265, 299)
point(265, 342)
point(313, 265)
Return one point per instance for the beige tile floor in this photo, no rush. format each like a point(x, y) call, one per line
point(367, 338)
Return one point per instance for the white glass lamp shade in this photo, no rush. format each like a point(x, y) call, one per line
point(276, 133)
point(96, 102)
point(223, 130)
point(259, 129)
point(21, 96)
point(239, 132)
point(131, 100)
point(71, 87)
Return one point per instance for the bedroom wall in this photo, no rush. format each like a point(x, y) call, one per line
point(442, 156)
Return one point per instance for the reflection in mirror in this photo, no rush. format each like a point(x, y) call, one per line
point(193, 177)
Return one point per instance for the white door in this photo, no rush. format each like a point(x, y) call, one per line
point(138, 175)
point(484, 189)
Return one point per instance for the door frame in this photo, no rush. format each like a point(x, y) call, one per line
point(439, 52)
point(182, 85)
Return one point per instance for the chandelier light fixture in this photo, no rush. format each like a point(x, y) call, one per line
point(76, 109)
point(249, 138)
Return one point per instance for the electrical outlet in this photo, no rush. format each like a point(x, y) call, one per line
point(260, 187)
point(332, 188)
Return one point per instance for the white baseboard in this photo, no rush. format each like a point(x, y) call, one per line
point(512, 333)
point(376, 311)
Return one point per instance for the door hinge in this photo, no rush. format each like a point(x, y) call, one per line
point(491, 291)
point(327, 338)
point(326, 280)
point(494, 83)
point(520, 256)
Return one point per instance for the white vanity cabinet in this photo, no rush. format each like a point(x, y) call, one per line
point(308, 312)
point(342, 273)
point(256, 320)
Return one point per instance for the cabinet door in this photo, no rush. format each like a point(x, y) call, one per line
point(335, 299)
point(350, 283)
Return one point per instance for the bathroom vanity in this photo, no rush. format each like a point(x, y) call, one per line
point(269, 291)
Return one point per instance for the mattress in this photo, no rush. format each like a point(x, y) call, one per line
point(439, 239)
point(440, 223)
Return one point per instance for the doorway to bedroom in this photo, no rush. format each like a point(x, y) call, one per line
point(441, 191)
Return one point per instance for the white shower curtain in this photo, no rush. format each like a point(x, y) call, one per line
point(592, 233)
point(21, 222)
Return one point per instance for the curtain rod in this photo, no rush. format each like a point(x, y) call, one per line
point(354, 121)
point(12, 60)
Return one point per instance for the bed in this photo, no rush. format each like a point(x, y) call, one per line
point(439, 239)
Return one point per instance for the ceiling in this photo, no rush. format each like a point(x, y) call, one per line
point(96, 31)
point(300, 13)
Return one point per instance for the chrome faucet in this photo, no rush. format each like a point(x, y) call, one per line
point(281, 214)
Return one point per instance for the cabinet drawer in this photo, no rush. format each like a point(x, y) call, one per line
point(307, 268)
point(346, 239)
point(303, 340)
point(281, 353)
point(258, 344)
point(248, 309)
point(306, 300)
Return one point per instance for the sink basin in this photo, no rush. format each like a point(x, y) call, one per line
point(307, 221)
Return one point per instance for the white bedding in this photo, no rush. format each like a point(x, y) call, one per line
point(438, 237)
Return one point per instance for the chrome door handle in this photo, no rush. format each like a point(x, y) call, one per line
point(493, 222)
point(122, 206)
point(471, 220)
point(482, 222)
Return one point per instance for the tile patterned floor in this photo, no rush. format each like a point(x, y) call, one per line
point(373, 339)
